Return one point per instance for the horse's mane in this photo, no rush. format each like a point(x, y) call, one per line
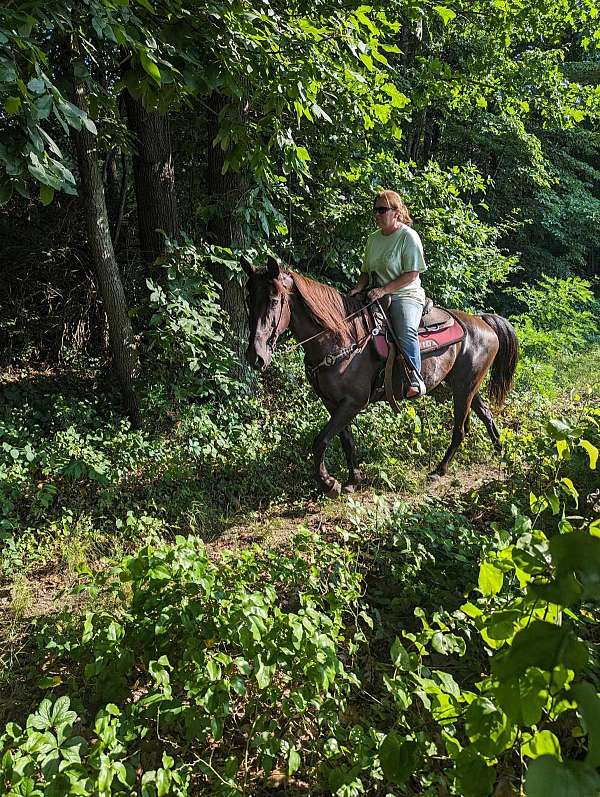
point(329, 308)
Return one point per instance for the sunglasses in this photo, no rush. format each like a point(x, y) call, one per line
point(381, 210)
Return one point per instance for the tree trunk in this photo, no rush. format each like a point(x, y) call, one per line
point(226, 192)
point(154, 178)
point(120, 334)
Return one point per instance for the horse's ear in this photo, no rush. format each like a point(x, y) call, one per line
point(273, 269)
point(246, 265)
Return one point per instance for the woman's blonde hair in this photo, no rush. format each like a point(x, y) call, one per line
point(391, 199)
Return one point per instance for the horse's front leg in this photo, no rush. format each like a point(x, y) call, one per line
point(340, 418)
point(354, 475)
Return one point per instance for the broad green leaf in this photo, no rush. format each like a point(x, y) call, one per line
point(562, 448)
point(474, 777)
point(578, 554)
point(542, 645)
point(398, 757)
point(90, 125)
point(163, 782)
point(543, 743)
point(558, 429)
point(12, 105)
point(400, 657)
point(490, 579)
point(150, 67)
point(592, 452)
point(488, 728)
point(547, 777)
point(46, 196)
point(293, 761)
point(6, 191)
point(445, 13)
point(36, 85)
point(398, 99)
point(523, 698)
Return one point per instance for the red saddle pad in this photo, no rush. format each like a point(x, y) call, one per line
point(430, 342)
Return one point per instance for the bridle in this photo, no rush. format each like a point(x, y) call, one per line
point(272, 340)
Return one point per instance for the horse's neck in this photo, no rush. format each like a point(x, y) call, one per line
point(304, 327)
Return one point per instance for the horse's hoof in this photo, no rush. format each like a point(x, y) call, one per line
point(334, 491)
point(349, 488)
point(434, 476)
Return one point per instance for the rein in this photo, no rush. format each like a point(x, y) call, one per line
point(290, 349)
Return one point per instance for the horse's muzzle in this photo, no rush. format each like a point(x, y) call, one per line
point(255, 359)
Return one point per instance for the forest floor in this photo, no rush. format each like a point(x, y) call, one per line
point(471, 487)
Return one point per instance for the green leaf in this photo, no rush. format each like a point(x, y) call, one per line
point(50, 682)
point(36, 85)
point(163, 781)
point(12, 105)
point(445, 13)
point(90, 125)
point(398, 99)
point(46, 197)
point(6, 191)
point(213, 669)
point(490, 579)
point(543, 743)
point(558, 429)
point(150, 67)
point(398, 757)
point(61, 714)
point(43, 106)
point(588, 705)
point(523, 698)
point(578, 555)
point(547, 777)
point(542, 645)
point(293, 761)
point(488, 728)
point(474, 777)
point(400, 657)
point(592, 452)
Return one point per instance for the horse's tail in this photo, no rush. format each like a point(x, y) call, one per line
point(505, 361)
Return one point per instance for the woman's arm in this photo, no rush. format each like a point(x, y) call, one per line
point(400, 282)
point(360, 285)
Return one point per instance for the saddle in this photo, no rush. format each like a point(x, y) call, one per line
point(438, 330)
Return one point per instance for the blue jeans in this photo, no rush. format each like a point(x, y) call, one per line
point(405, 315)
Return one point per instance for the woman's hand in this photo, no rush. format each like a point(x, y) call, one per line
point(376, 293)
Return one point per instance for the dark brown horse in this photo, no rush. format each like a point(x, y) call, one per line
point(317, 316)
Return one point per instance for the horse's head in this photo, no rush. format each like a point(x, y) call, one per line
point(269, 309)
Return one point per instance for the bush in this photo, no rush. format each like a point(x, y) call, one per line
point(187, 339)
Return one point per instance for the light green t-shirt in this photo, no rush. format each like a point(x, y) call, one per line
point(388, 256)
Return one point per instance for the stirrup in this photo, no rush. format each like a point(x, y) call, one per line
point(418, 384)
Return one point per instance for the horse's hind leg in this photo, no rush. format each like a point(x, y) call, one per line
point(462, 408)
point(354, 474)
point(340, 418)
point(482, 411)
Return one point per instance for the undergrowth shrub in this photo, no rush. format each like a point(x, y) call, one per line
point(187, 341)
point(558, 319)
point(411, 655)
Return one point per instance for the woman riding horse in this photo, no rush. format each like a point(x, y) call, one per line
point(392, 261)
point(343, 364)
